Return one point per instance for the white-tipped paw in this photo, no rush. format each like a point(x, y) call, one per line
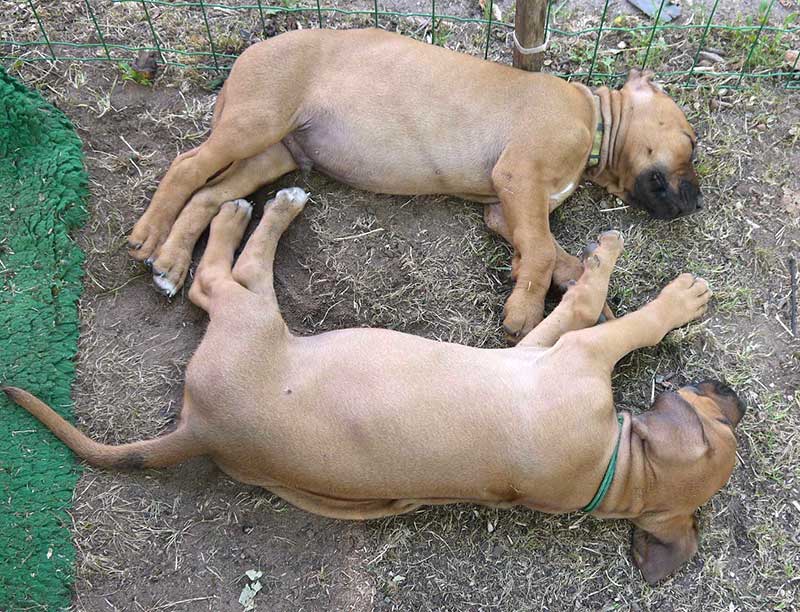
point(292, 195)
point(165, 286)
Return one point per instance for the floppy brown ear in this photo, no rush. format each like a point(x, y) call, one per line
point(634, 74)
point(641, 81)
point(670, 544)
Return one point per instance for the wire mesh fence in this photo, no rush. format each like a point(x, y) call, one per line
point(733, 43)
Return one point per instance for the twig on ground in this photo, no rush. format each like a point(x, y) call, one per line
point(793, 296)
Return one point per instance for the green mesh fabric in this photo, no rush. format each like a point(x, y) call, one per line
point(42, 188)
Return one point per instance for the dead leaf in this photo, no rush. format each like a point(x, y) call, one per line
point(250, 590)
point(791, 202)
point(497, 14)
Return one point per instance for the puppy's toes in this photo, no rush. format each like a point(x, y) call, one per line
point(613, 240)
point(166, 286)
point(170, 269)
point(144, 241)
point(520, 318)
point(292, 197)
point(235, 210)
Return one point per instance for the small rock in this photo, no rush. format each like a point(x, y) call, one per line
point(622, 44)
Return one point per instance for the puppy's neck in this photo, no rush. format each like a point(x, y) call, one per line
point(607, 172)
point(627, 496)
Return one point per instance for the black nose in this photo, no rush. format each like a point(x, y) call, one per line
point(691, 200)
point(726, 398)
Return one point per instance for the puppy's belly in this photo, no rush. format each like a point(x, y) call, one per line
point(393, 161)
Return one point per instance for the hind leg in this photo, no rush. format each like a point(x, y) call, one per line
point(237, 136)
point(254, 267)
point(227, 230)
point(171, 262)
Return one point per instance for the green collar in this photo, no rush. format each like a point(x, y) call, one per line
point(608, 477)
point(594, 156)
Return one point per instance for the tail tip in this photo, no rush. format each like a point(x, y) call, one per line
point(11, 392)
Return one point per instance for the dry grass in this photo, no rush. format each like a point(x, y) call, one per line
point(182, 539)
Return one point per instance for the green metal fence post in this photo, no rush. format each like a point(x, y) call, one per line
point(263, 21)
point(597, 41)
point(652, 35)
point(488, 30)
point(319, 14)
point(152, 29)
point(702, 41)
point(433, 22)
point(42, 30)
point(97, 29)
point(755, 42)
point(375, 12)
point(210, 38)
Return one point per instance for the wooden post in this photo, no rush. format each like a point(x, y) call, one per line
point(529, 22)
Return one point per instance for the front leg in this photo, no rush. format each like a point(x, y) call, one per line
point(568, 268)
point(683, 300)
point(524, 203)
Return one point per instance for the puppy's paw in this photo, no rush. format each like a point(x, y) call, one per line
point(145, 239)
point(170, 269)
point(684, 299)
point(231, 221)
point(166, 286)
point(521, 314)
point(605, 251)
point(292, 199)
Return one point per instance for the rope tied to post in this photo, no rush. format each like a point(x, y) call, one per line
point(529, 50)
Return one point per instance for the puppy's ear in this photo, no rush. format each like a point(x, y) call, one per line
point(661, 546)
point(641, 81)
point(671, 431)
point(644, 75)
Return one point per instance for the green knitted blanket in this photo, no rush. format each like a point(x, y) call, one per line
point(42, 188)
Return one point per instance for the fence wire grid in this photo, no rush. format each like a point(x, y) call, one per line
point(599, 48)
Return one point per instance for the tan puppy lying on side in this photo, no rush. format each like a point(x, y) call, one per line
point(363, 423)
point(388, 114)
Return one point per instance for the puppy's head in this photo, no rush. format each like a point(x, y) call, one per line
point(689, 450)
point(656, 161)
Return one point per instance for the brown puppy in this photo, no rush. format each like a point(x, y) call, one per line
point(363, 423)
point(385, 113)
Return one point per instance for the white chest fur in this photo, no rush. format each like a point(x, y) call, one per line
point(560, 196)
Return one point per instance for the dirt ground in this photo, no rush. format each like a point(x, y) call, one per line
point(182, 539)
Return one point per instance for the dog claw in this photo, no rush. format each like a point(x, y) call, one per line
point(244, 205)
point(588, 250)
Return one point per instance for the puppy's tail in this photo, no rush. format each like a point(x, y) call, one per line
point(164, 451)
